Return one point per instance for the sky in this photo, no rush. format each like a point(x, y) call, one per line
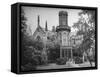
point(51, 15)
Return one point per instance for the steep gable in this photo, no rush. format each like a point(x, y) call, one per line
point(39, 32)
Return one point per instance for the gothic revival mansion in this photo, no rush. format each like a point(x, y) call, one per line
point(59, 34)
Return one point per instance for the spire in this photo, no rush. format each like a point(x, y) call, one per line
point(38, 20)
point(30, 31)
point(46, 27)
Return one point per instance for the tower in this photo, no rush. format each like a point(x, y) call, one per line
point(63, 31)
point(63, 17)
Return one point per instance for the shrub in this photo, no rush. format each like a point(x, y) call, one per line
point(37, 60)
point(78, 60)
point(61, 61)
point(28, 67)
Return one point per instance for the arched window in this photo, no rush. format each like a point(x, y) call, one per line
point(38, 38)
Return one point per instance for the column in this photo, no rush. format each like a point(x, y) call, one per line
point(60, 52)
point(83, 58)
point(71, 53)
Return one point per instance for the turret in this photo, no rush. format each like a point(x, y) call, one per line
point(53, 28)
point(63, 22)
point(63, 18)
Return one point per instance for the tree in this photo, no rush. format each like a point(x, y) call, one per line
point(53, 50)
point(86, 27)
point(23, 22)
point(26, 42)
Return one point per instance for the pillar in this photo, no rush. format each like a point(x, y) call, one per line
point(60, 52)
point(71, 53)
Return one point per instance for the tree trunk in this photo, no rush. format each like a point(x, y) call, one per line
point(89, 59)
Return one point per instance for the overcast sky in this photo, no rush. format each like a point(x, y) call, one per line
point(50, 15)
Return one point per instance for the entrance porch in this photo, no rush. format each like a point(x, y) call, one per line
point(66, 51)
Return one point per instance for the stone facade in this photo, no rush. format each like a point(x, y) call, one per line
point(60, 34)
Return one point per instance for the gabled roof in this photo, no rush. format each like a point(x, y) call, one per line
point(39, 29)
